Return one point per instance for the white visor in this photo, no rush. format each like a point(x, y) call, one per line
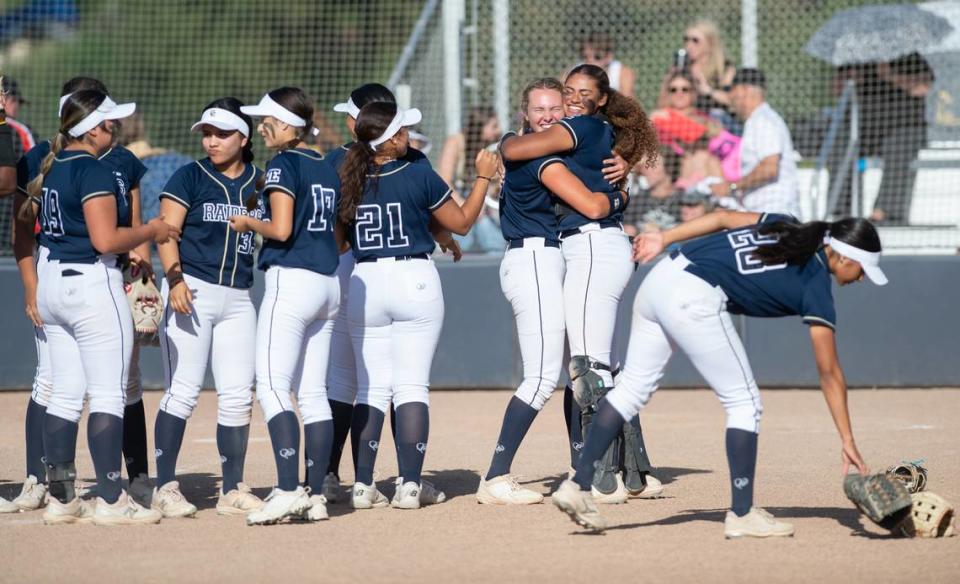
point(348, 108)
point(63, 100)
point(868, 260)
point(268, 107)
point(222, 120)
point(404, 118)
point(108, 110)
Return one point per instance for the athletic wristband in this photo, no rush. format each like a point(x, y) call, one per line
point(617, 201)
point(173, 276)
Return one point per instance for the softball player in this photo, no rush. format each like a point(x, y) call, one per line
point(531, 271)
point(208, 308)
point(758, 265)
point(396, 303)
point(127, 170)
point(83, 307)
point(596, 250)
point(299, 254)
point(342, 375)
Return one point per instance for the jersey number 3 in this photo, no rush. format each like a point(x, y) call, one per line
point(744, 243)
point(370, 227)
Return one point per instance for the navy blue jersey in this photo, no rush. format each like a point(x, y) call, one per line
point(335, 156)
point(726, 259)
point(593, 141)
point(74, 178)
point(126, 168)
point(393, 217)
point(314, 185)
point(209, 249)
point(526, 206)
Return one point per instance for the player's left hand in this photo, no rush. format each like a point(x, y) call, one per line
point(851, 456)
point(240, 223)
point(487, 163)
point(647, 246)
point(452, 247)
point(614, 169)
point(141, 268)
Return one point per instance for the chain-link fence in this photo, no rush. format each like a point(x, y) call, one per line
point(463, 62)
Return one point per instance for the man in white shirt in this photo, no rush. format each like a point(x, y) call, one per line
point(768, 182)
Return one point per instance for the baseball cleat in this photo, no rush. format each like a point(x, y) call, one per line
point(141, 490)
point(169, 501)
point(317, 510)
point(367, 497)
point(505, 490)
point(430, 494)
point(618, 496)
point(332, 490)
point(76, 511)
point(8, 506)
point(32, 496)
point(756, 523)
point(280, 504)
point(125, 511)
point(239, 501)
point(407, 495)
point(579, 505)
point(651, 489)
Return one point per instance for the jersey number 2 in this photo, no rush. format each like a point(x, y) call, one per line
point(370, 227)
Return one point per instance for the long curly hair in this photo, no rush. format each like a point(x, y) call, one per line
point(359, 160)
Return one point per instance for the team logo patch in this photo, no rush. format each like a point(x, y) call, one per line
point(577, 446)
point(373, 444)
point(741, 482)
point(421, 447)
point(273, 175)
point(499, 448)
point(309, 463)
point(158, 453)
point(114, 475)
point(286, 453)
point(223, 459)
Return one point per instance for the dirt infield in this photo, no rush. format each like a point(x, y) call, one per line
point(678, 538)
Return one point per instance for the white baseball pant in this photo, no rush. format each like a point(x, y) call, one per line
point(222, 326)
point(395, 316)
point(531, 277)
point(342, 375)
point(673, 304)
point(293, 342)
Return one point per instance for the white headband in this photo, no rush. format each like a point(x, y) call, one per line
point(223, 120)
point(348, 108)
point(63, 100)
point(107, 110)
point(410, 117)
point(268, 107)
point(868, 260)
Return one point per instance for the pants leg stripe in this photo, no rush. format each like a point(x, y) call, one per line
point(36, 374)
point(586, 295)
point(116, 309)
point(536, 278)
point(273, 311)
point(743, 370)
point(165, 343)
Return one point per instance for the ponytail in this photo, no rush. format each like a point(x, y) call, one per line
point(353, 179)
point(28, 210)
point(796, 243)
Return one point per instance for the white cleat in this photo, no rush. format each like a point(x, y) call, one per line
point(651, 490)
point(505, 490)
point(76, 511)
point(239, 501)
point(125, 511)
point(618, 496)
point(169, 501)
point(332, 490)
point(579, 505)
point(756, 523)
point(280, 504)
point(367, 497)
point(141, 490)
point(317, 510)
point(430, 494)
point(407, 495)
point(32, 496)
point(8, 506)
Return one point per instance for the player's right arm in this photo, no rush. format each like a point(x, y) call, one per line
point(180, 298)
point(537, 144)
point(648, 246)
point(834, 388)
point(23, 246)
point(459, 219)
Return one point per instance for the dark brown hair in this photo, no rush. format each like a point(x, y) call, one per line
point(296, 101)
point(359, 160)
point(796, 243)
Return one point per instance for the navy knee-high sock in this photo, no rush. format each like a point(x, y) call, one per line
point(607, 423)
point(365, 434)
point(167, 439)
point(571, 411)
point(135, 440)
point(33, 430)
point(742, 458)
point(232, 445)
point(105, 440)
point(342, 416)
point(60, 452)
point(516, 421)
point(413, 431)
point(285, 437)
point(317, 443)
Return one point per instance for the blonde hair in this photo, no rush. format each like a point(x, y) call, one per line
point(714, 63)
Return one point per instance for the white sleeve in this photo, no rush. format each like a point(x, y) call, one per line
point(768, 138)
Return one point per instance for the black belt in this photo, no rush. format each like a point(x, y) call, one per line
point(518, 243)
point(399, 258)
point(603, 223)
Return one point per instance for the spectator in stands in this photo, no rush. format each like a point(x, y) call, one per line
point(14, 99)
point(768, 182)
point(694, 204)
point(712, 72)
point(160, 163)
point(598, 49)
point(8, 158)
point(460, 150)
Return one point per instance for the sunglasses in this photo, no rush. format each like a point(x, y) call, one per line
point(592, 56)
point(691, 39)
point(684, 89)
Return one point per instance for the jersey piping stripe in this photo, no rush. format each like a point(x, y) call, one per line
point(442, 200)
point(743, 370)
point(312, 155)
point(105, 154)
point(394, 171)
point(95, 195)
point(226, 235)
point(236, 248)
point(818, 320)
point(37, 331)
point(545, 164)
point(175, 199)
point(268, 188)
point(116, 310)
point(273, 311)
point(69, 157)
point(573, 134)
point(168, 362)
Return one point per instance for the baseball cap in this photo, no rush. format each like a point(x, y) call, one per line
point(12, 89)
point(223, 120)
point(404, 118)
point(749, 76)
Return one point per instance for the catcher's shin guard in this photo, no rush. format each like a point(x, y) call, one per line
point(588, 389)
point(636, 463)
